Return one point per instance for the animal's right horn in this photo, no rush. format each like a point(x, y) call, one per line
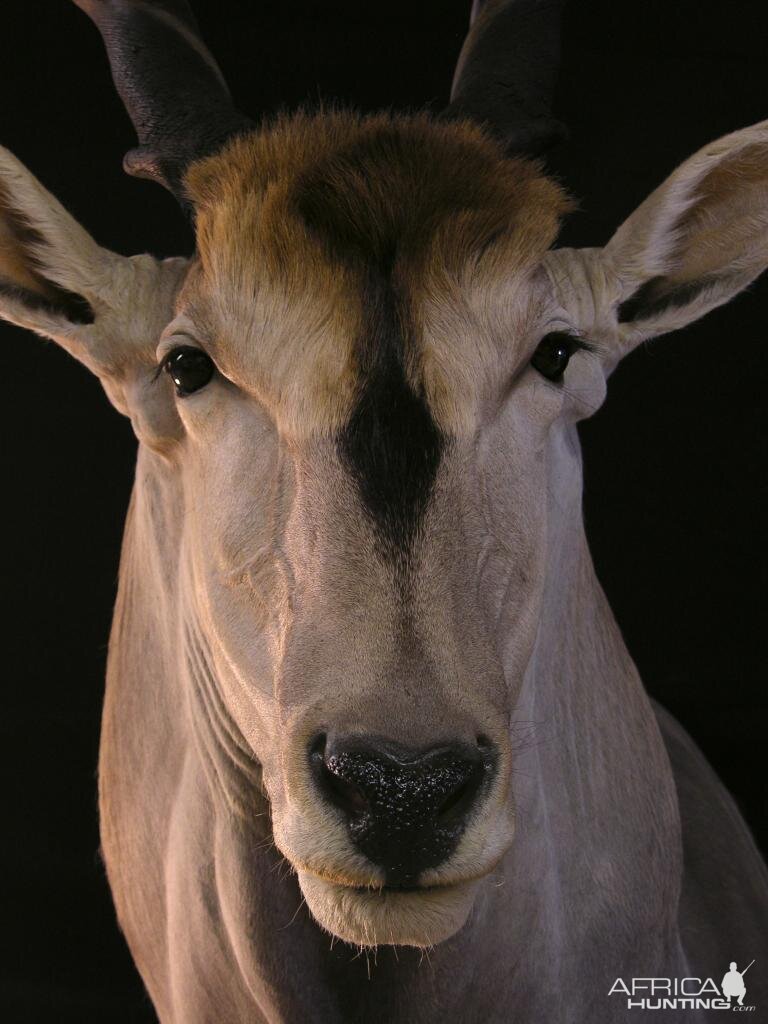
point(170, 84)
point(506, 74)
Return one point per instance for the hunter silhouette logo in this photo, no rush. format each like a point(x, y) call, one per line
point(733, 983)
point(685, 993)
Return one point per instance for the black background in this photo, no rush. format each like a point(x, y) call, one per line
point(675, 461)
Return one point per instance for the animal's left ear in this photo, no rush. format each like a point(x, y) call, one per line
point(697, 241)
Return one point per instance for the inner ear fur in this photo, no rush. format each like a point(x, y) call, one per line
point(23, 277)
point(55, 279)
point(698, 239)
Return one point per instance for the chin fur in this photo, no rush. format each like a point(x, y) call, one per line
point(373, 917)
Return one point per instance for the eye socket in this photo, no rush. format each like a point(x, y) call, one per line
point(553, 354)
point(189, 368)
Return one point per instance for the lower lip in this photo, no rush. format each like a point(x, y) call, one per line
point(398, 890)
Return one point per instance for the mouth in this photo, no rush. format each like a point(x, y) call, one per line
point(402, 915)
point(401, 888)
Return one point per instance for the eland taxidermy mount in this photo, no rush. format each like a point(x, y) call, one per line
point(355, 553)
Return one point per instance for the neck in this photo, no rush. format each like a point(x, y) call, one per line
point(598, 831)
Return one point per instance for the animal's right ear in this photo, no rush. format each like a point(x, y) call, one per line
point(106, 310)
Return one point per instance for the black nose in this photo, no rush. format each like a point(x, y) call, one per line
point(405, 810)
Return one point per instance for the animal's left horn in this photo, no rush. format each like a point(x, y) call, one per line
point(506, 73)
point(170, 84)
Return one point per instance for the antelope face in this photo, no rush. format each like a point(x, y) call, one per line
point(366, 460)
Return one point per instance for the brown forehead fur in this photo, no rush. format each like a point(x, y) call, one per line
point(293, 220)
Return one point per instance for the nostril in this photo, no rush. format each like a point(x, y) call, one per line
point(330, 777)
point(317, 748)
point(345, 794)
point(455, 806)
point(483, 744)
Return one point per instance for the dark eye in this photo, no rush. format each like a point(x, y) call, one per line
point(189, 368)
point(553, 353)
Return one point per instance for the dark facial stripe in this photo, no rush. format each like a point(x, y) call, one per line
point(391, 445)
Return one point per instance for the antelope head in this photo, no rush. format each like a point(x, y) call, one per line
point(360, 394)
